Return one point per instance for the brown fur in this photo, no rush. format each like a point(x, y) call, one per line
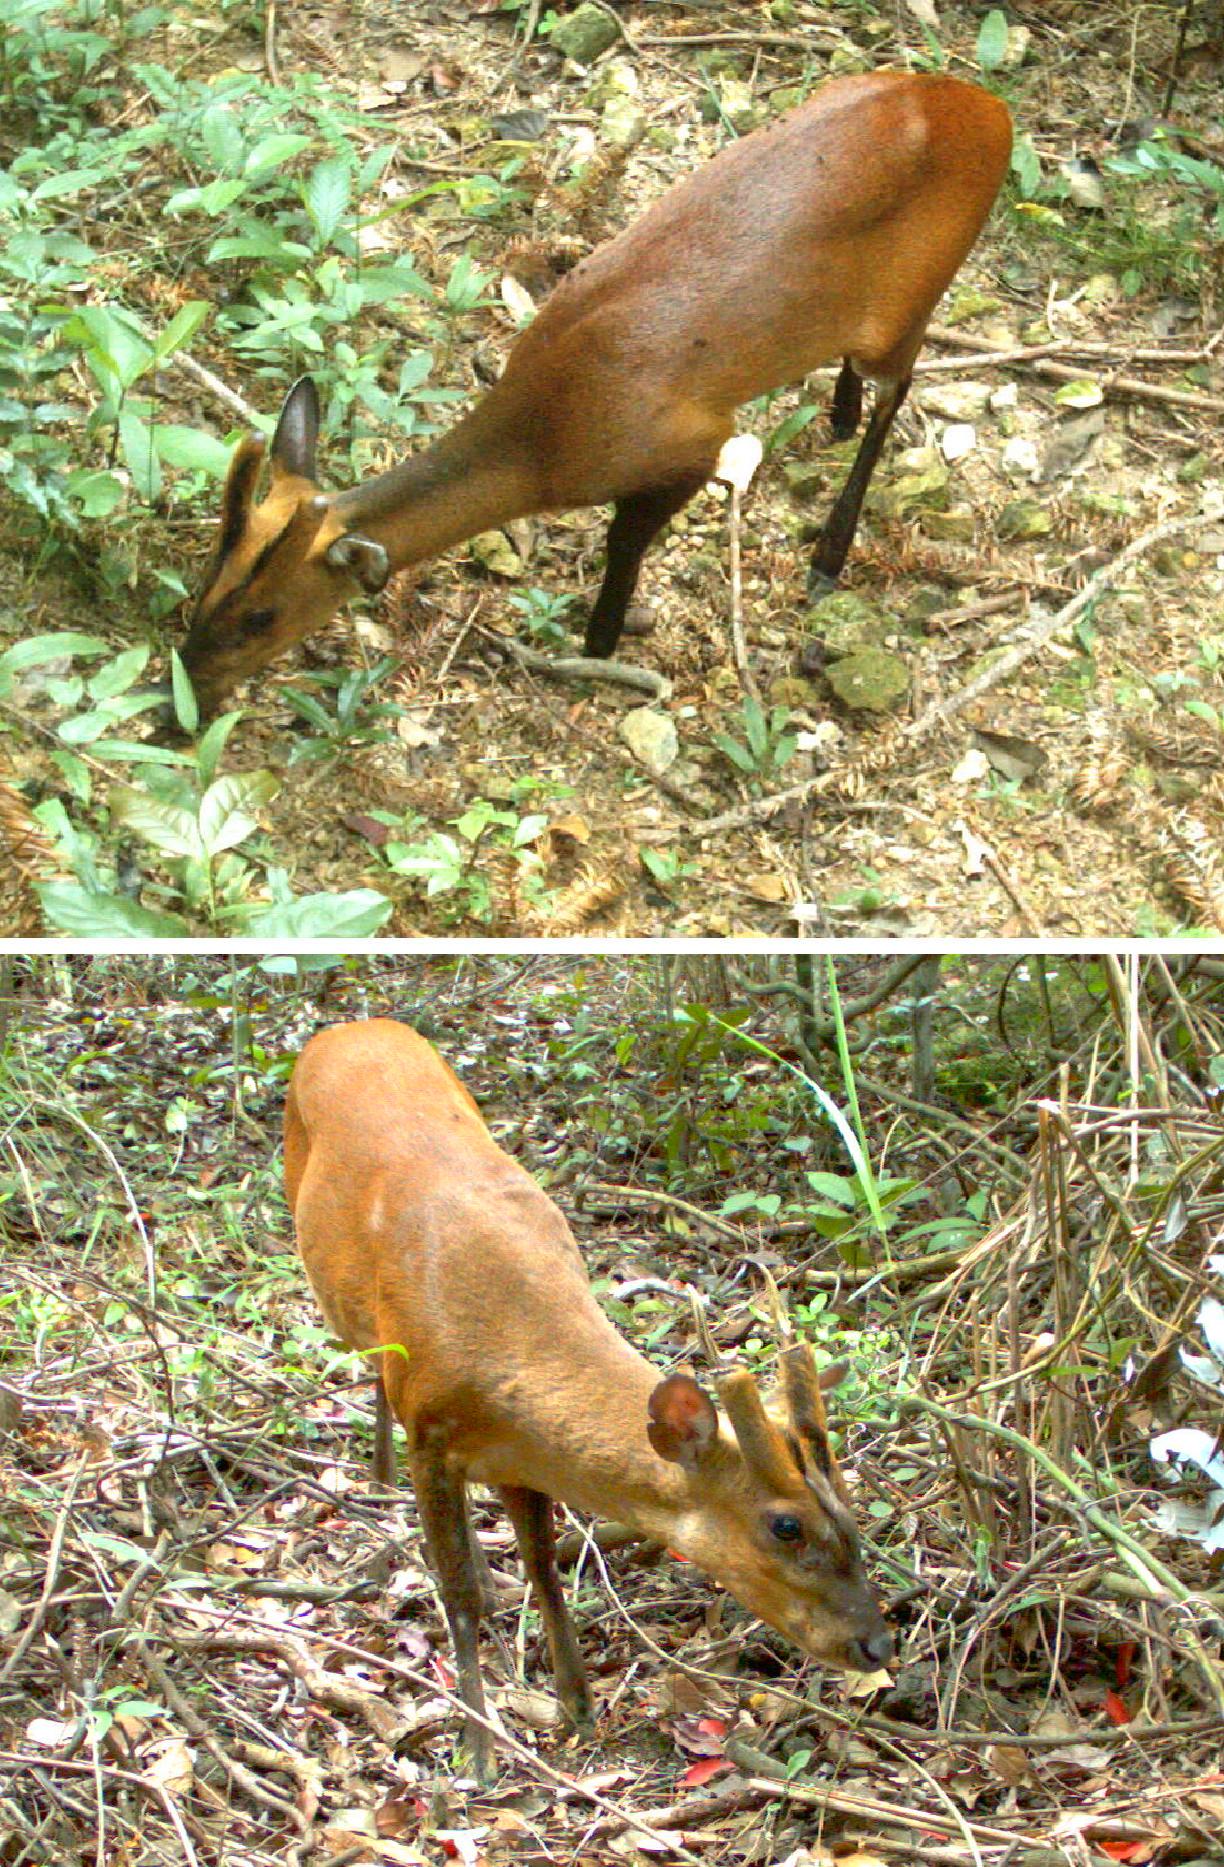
point(830, 234)
point(419, 1234)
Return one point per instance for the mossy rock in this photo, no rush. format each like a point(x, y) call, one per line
point(585, 34)
point(871, 679)
point(1021, 519)
point(846, 622)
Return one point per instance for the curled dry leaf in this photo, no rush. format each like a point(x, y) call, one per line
point(171, 1766)
point(539, 1711)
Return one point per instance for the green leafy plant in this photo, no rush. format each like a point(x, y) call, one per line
point(353, 719)
point(543, 613)
point(665, 866)
point(186, 811)
point(766, 746)
point(448, 865)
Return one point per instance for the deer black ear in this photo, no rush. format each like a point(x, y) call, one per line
point(239, 490)
point(297, 430)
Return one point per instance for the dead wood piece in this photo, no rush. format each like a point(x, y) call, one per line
point(998, 352)
point(583, 667)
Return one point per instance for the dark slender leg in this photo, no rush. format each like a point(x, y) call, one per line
point(634, 523)
point(384, 1444)
point(838, 534)
point(531, 1514)
point(847, 403)
point(442, 1503)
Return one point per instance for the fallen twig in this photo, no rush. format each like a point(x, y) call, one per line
point(582, 667)
point(989, 351)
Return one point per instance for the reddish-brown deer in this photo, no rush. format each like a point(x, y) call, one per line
point(832, 233)
point(419, 1234)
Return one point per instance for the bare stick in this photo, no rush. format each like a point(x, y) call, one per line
point(213, 383)
point(739, 644)
point(583, 667)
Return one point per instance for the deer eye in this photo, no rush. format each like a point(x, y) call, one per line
point(785, 1528)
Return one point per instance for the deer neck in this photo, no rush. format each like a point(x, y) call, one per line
point(469, 480)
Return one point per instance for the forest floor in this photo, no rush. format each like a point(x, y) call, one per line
point(1064, 426)
point(220, 1643)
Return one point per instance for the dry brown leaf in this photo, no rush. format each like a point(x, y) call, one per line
point(539, 1711)
point(575, 827)
point(171, 1766)
point(767, 887)
point(1009, 1764)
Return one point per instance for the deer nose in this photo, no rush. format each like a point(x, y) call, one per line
point(875, 1650)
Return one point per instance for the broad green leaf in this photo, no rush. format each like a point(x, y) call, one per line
point(833, 1186)
point(95, 916)
point(381, 283)
point(326, 194)
point(1026, 166)
point(118, 674)
point(139, 451)
point(212, 199)
point(224, 816)
point(992, 41)
point(269, 244)
point(72, 181)
point(168, 827)
point(738, 1202)
point(39, 649)
point(95, 490)
point(528, 829)
point(186, 706)
point(1086, 393)
point(273, 152)
point(191, 449)
point(212, 745)
point(790, 426)
point(739, 755)
point(140, 752)
point(223, 137)
point(113, 345)
point(414, 370)
point(181, 328)
point(358, 912)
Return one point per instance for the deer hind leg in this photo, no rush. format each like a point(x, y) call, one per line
point(531, 1514)
point(839, 530)
point(441, 1497)
point(847, 402)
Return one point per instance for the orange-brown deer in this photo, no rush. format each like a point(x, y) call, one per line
point(420, 1234)
point(832, 233)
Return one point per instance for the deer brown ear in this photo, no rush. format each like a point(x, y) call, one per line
point(297, 431)
point(805, 1388)
point(683, 1421)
